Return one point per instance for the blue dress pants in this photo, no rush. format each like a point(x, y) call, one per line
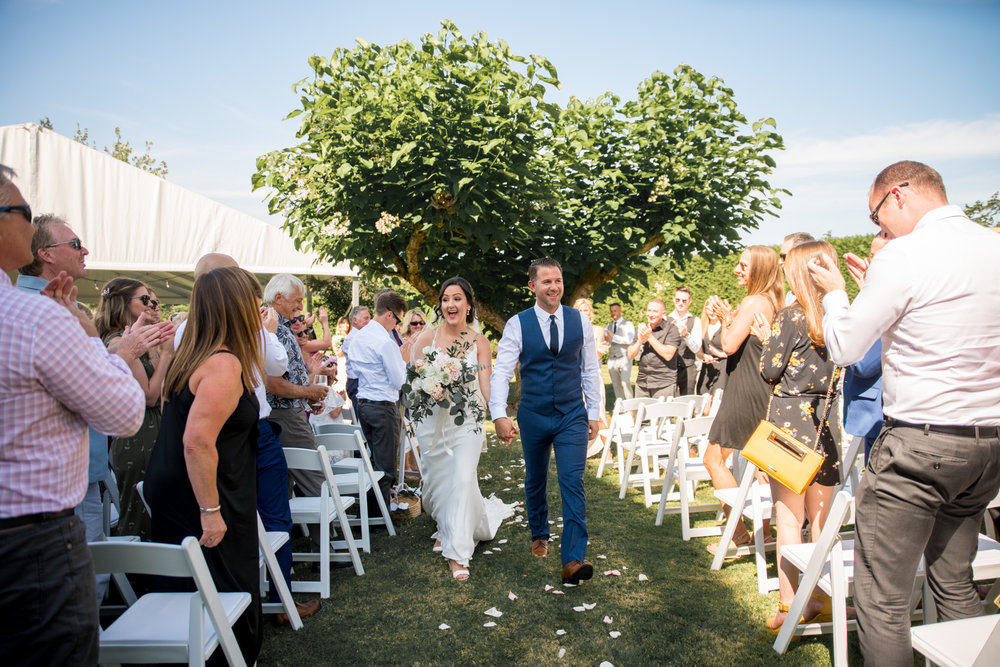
point(566, 435)
point(272, 494)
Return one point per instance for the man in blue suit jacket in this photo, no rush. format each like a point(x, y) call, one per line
point(559, 409)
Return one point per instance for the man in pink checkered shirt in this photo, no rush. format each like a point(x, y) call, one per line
point(55, 379)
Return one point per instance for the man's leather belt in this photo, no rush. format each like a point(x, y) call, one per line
point(29, 519)
point(965, 431)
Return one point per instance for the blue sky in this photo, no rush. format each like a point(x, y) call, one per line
point(853, 86)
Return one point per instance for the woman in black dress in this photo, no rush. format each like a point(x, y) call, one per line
point(795, 361)
point(744, 400)
point(202, 476)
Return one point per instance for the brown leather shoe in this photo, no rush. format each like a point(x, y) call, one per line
point(574, 572)
point(540, 548)
point(305, 609)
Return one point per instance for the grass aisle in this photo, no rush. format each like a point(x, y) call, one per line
point(683, 614)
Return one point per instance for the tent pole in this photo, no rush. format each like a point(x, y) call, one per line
point(355, 291)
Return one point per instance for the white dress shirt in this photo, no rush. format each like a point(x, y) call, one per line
point(622, 335)
point(349, 369)
point(378, 362)
point(509, 354)
point(933, 296)
point(275, 363)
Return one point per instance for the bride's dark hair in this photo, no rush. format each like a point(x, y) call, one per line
point(469, 296)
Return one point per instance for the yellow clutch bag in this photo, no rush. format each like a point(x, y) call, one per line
point(782, 457)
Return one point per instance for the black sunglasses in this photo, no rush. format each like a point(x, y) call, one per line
point(302, 334)
point(417, 323)
point(148, 301)
point(23, 210)
point(75, 244)
point(874, 214)
point(300, 318)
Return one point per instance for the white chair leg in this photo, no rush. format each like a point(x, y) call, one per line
point(838, 589)
point(735, 514)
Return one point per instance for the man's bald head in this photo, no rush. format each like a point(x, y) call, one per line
point(213, 261)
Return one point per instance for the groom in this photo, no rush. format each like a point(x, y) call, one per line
point(558, 370)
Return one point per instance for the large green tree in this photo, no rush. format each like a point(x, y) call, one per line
point(443, 158)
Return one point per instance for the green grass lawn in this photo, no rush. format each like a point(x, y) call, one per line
point(683, 614)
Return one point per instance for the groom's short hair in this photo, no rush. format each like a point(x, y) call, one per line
point(544, 261)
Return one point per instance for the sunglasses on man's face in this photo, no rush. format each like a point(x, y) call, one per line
point(75, 244)
point(299, 318)
point(148, 301)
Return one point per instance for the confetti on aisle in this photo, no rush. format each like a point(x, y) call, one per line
point(558, 592)
point(494, 612)
point(615, 634)
point(602, 557)
point(511, 596)
point(608, 619)
point(562, 652)
point(605, 664)
point(589, 605)
point(643, 577)
point(489, 624)
point(548, 588)
point(608, 573)
point(444, 626)
point(560, 632)
point(503, 541)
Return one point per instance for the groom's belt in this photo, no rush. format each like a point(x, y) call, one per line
point(368, 400)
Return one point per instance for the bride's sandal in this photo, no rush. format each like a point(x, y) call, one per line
point(459, 572)
point(437, 547)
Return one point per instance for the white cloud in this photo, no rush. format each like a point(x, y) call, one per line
point(928, 141)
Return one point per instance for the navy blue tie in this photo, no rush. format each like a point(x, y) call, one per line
point(553, 335)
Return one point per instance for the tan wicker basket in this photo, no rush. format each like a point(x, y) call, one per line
point(409, 513)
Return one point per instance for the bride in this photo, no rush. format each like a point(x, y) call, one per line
point(450, 453)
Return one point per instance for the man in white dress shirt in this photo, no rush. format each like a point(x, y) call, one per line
point(933, 296)
point(381, 372)
point(559, 409)
point(360, 316)
point(619, 334)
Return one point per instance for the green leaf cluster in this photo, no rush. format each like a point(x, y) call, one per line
point(424, 161)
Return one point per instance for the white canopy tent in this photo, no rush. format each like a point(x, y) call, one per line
point(139, 225)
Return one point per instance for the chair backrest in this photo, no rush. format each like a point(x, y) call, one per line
point(142, 497)
point(323, 429)
point(654, 419)
point(345, 442)
point(696, 427)
point(697, 402)
point(716, 402)
point(302, 459)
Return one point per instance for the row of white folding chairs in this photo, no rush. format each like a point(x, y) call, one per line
point(684, 470)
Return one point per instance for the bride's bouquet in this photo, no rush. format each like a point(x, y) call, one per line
point(446, 380)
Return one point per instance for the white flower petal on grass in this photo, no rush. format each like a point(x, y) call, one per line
point(589, 605)
point(548, 588)
point(560, 632)
point(562, 652)
point(609, 620)
point(580, 608)
point(494, 612)
point(557, 592)
point(444, 626)
point(569, 585)
point(511, 596)
point(489, 624)
point(615, 634)
point(643, 577)
point(487, 552)
point(520, 486)
point(602, 557)
point(503, 541)
point(608, 573)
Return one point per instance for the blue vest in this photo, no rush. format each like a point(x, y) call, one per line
point(551, 383)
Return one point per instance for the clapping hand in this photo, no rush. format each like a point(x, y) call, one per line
point(140, 337)
point(62, 290)
point(760, 327)
point(644, 332)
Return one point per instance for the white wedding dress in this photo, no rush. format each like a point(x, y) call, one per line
point(450, 460)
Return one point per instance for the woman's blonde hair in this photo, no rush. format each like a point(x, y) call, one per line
point(765, 276)
point(806, 293)
point(409, 318)
point(113, 313)
point(225, 311)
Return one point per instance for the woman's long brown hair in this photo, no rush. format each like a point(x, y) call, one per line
point(765, 276)
point(225, 312)
point(113, 309)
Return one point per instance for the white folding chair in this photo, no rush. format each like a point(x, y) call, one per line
point(685, 471)
point(713, 409)
point(270, 575)
point(357, 480)
point(169, 627)
point(697, 402)
point(324, 509)
point(969, 642)
point(408, 443)
point(655, 425)
point(621, 429)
